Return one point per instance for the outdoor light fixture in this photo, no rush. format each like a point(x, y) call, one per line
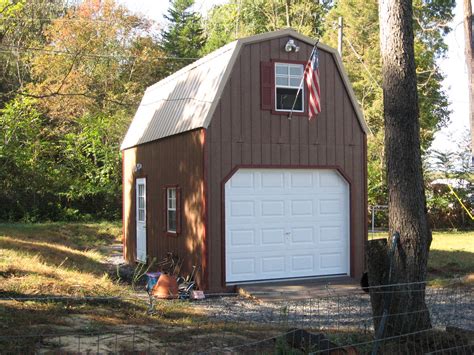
point(137, 168)
point(290, 46)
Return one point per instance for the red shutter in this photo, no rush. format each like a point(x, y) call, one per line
point(266, 85)
point(178, 210)
point(165, 209)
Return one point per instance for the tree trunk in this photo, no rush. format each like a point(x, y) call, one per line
point(469, 43)
point(407, 211)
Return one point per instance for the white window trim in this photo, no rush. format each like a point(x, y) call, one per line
point(141, 182)
point(169, 208)
point(289, 86)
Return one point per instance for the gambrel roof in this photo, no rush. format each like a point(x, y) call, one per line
point(186, 100)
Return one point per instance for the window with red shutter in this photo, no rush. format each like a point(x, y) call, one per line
point(289, 88)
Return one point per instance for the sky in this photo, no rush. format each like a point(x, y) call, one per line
point(455, 84)
point(454, 66)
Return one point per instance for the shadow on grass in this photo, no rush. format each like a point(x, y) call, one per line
point(448, 264)
point(24, 322)
point(53, 255)
point(14, 272)
point(81, 236)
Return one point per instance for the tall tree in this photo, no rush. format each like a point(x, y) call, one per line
point(362, 61)
point(469, 43)
point(86, 70)
point(407, 205)
point(183, 37)
point(241, 18)
point(21, 26)
point(98, 58)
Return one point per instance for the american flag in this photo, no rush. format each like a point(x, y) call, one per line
point(311, 74)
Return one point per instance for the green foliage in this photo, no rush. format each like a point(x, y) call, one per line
point(59, 156)
point(183, 37)
point(69, 177)
point(240, 18)
point(21, 26)
point(91, 160)
point(361, 57)
point(27, 175)
point(107, 65)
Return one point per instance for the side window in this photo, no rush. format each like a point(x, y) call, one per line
point(288, 84)
point(172, 210)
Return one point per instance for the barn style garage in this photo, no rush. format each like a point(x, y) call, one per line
point(216, 172)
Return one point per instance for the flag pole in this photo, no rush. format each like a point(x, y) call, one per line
point(301, 83)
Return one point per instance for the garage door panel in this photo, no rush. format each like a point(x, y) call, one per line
point(242, 238)
point(329, 179)
point(301, 208)
point(302, 179)
point(272, 264)
point(303, 262)
point(331, 207)
point(273, 237)
point(302, 235)
point(245, 179)
point(272, 208)
point(331, 261)
point(286, 223)
point(242, 208)
point(272, 179)
point(243, 267)
point(331, 234)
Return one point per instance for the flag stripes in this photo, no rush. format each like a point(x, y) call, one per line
point(311, 74)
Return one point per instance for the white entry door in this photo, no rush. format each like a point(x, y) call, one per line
point(141, 219)
point(286, 223)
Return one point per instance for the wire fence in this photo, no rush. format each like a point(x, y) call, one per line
point(329, 323)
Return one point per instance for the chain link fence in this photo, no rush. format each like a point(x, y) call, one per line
point(333, 323)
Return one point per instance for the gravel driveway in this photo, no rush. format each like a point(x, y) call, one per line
point(452, 306)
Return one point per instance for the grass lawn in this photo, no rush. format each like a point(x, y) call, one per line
point(57, 259)
point(68, 259)
point(451, 255)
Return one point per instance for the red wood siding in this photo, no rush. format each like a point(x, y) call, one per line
point(241, 134)
point(176, 160)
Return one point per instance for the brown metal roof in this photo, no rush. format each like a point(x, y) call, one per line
point(186, 100)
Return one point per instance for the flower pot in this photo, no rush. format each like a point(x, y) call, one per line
point(166, 287)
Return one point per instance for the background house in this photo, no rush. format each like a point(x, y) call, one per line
point(214, 170)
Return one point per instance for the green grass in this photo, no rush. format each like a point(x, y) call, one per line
point(69, 259)
point(57, 259)
point(451, 255)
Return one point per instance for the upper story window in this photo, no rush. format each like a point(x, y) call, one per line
point(288, 79)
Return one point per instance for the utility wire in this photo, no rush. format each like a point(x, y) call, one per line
point(68, 19)
point(5, 49)
point(362, 62)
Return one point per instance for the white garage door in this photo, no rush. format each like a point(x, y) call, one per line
point(286, 223)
